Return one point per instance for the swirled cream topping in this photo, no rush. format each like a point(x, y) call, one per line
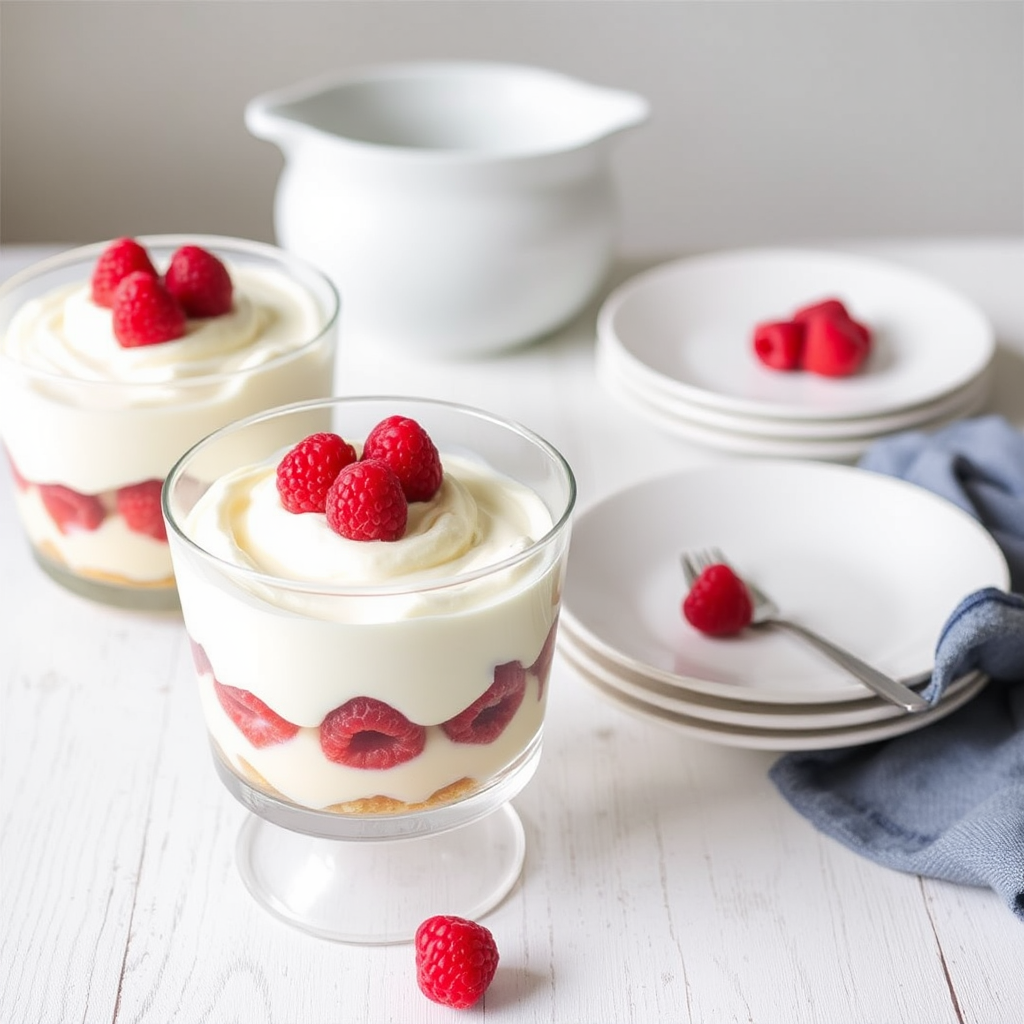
point(65, 333)
point(476, 519)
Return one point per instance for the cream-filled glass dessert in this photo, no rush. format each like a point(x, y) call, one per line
point(371, 589)
point(117, 357)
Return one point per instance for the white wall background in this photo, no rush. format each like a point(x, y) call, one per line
point(772, 121)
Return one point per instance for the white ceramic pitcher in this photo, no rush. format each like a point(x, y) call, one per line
point(460, 207)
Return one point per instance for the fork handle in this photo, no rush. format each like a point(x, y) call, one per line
point(877, 681)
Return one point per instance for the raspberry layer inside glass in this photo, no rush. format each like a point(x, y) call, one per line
point(367, 757)
point(115, 535)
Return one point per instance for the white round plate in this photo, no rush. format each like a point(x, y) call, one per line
point(872, 562)
point(616, 375)
point(779, 739)
point(762, 443)
point(688, 326)
point(679, 700)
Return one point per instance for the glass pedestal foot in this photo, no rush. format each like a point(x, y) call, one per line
point(375, 892)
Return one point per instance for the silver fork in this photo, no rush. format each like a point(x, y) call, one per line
point(766, 613)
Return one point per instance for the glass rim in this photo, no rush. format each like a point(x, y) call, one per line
point(225, 244)
point(264, 579)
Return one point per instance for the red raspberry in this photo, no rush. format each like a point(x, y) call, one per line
point(70, 510)
point(140, 506)
point(305, 474)
point(366, 502)
point(406, 447)
point(485, 719)
point(367, 733)
point(834, 348)
point(541, 668)
point(831, 308)
point(718, 603)
point(255, 721)
point(862, 331)
point(145, 312)
point(455, 960)
point(121, 258)
point(779, 344)
point(199, 281)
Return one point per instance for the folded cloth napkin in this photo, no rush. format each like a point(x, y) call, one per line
point(946, 801)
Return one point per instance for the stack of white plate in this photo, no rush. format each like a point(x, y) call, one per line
point(873, 563)
point(674, 344)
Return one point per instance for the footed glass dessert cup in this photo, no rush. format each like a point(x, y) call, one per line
point(92, 421)
point(374, 703)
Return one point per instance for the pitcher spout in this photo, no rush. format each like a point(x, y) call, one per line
point(264, 123)
point(616, 111)
point(277, 117)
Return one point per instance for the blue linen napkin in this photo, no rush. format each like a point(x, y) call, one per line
point(946, 801)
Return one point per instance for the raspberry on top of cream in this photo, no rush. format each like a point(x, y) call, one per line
point(65, 333)
point(476, 519)
point(118, 357)
point(326, 514)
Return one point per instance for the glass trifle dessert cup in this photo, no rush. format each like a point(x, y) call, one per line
point(117, 357)
point(371, 587)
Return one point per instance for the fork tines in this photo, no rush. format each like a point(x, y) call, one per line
point(690, 571)
point(695, 562)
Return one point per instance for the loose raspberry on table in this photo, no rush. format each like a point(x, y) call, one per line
point(70, 510)
point(367, 733)
point(402, 444)
point(145, 312)
point(305, 474)
point(119, 259)
point(139, 504)
point(718, 602)
point(455, 960)
point(366, 502)
point(199, 281)
point(486, 718)
point(261, 726)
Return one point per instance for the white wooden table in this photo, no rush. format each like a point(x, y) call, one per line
point(665, 878)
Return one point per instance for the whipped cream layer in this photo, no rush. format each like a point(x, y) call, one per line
point(476, 519)
point(420, 623)
point(79, 410)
